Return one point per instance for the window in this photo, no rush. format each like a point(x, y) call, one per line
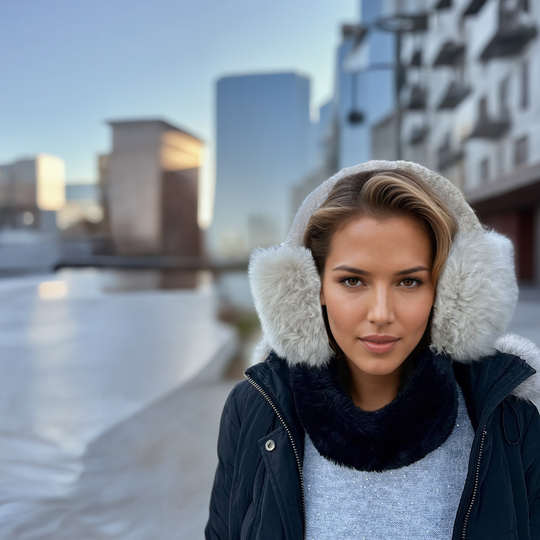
point(504, 110)
point(484, 170)
point(521, 147)
point(513, 5)
point(500, 158)
point(482, 109)
point(524, 94)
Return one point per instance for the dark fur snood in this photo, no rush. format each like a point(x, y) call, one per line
point(406, 430)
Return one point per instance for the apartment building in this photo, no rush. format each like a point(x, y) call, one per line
point(470, 109)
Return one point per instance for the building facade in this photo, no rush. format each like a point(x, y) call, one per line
point(366, 81)
point(363, 96)
point(262, 150)
point(83, 206)
point(150, 185)
point(470, 111)
point(31, 192)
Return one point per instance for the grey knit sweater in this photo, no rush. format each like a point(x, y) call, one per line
point(419, 501)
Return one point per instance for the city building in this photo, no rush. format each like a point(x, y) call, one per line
point(365, 92)
point(262, 150)
point(322, 155)
point(32, 200)
point(150, 183)
point(83, 206)
point(31, 192)
point(359, 123)
point(472, 112)
point(458, 98)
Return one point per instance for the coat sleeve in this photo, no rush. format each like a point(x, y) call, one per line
point(531, 469)
point(217, 527)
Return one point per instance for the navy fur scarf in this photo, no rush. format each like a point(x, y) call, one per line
point(417, 422)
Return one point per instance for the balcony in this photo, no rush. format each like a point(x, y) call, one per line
point(418, 134)
point(514, 31)
point(448, 157)
point(416, 59)
point(450, 54)
point(488, 128)
point(443, 4)
point(454, 95)
point(355, 31)
point(474, 7)
point(417, 98)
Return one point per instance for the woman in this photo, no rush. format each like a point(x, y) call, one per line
point(390, 405)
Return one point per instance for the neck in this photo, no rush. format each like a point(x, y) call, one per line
point(373, 392)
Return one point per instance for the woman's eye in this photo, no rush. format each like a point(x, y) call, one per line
point(410, 283)
point(351, 282)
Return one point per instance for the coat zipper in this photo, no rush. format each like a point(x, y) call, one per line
point(476, 480)
point(295, 450)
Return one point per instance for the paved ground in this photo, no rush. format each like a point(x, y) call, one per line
point(198, 459)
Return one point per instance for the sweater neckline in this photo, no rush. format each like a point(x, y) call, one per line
point(417, 422)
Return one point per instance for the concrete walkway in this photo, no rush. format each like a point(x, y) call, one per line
point(196, 462)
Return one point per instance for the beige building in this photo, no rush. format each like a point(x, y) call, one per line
point(32, 191)
point(150, 184)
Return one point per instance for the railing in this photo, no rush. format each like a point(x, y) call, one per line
point(150, 263)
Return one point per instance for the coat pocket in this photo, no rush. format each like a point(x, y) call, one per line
point(252, 516)
point(247, 523)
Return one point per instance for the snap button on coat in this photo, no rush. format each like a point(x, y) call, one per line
point(270, 445)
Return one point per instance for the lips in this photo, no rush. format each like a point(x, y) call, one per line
point(379, 344)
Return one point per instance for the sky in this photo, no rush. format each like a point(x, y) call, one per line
point(68, 66)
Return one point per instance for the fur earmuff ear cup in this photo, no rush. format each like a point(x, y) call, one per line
point(476, 296)
point(286, 288)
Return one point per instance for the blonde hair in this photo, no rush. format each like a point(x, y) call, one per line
point(382, 195)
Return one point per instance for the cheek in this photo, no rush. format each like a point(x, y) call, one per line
point(414, 313)
point(344, 310)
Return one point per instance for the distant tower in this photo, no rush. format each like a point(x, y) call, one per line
point(150, 180)
point(262, 151)
point(31, 191)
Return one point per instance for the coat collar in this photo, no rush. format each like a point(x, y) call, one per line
point(274, 376)
point(484, 384)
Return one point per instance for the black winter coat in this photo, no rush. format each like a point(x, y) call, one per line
point(258, 490)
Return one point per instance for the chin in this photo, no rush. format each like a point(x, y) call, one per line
point(377, 365)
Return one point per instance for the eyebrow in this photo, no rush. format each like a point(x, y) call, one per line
point(366, 273)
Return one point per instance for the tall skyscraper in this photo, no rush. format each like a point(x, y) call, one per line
point(262, 151)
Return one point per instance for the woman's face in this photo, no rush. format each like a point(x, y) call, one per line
point(378, 291)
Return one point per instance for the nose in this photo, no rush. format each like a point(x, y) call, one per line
point(380, 309)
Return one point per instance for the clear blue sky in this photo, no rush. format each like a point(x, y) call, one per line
point(69, 65)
